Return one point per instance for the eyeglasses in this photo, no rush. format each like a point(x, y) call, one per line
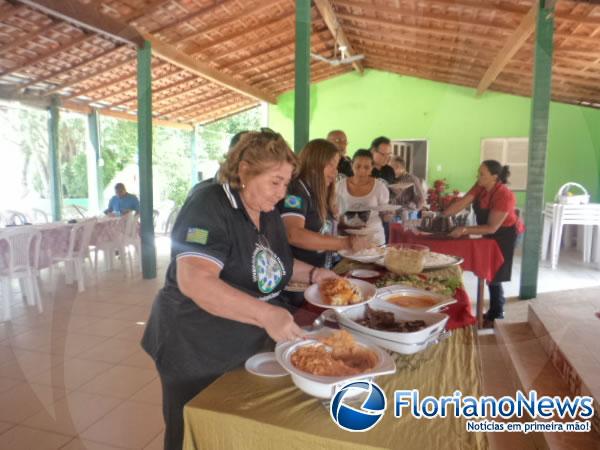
point(386, 155)
point(340, 141)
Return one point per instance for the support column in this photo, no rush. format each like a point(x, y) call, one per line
point(54, 161)
point(538, 140)
point(144, 113)
point(94, 168)
point(302, 77)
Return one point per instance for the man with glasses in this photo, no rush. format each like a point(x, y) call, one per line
point(381, 149)
point(339, 139)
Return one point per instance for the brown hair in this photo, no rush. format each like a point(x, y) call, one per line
point(261, 150)
point(313, 159)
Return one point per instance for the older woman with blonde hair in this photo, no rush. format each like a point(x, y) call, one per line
point(309, 208)
point(230, 259)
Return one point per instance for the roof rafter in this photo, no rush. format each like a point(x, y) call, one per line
point(89, 17)
point(328, 14)
point(512, 45)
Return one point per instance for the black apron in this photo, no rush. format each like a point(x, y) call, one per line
point(506, 237)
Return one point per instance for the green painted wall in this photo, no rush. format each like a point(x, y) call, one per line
point(452, 119)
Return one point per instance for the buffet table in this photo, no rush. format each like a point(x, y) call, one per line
point(244, 411)
point(482, 256)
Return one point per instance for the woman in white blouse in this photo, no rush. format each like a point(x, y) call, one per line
point(362, 192)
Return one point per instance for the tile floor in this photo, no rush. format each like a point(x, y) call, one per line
point(75, 377)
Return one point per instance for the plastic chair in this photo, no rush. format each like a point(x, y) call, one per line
point(39, 216)
point(21, 262)
point(155, 214)
point(77, 252)
point(15, 218)
point(131, 238)
point(115, 233)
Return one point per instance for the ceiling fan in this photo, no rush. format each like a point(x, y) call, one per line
point(338, 59)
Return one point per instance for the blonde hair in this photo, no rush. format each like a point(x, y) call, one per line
point(313, 159)
point(261, 150)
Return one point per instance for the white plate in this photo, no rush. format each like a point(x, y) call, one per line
point(364, 257)
point(313, 295)
point(363, 273)
point(435, 260)
point(265, 365)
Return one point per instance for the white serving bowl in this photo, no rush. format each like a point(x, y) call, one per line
point(399, 342)
point(325, 387)
point(398, 290)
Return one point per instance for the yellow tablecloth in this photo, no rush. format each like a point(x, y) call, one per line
point(244, 411)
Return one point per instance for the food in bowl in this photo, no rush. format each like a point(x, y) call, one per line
point(405, 258)
point(344, 357)
point(386, 321)
point(340, 292)
point(409, 301)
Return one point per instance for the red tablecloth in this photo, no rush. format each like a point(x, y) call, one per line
point(481, 256)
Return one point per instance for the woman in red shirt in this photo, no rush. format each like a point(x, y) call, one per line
point(494, 207)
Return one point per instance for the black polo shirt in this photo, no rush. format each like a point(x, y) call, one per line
point(386, 173)
point(213, 226)
point(300, 202)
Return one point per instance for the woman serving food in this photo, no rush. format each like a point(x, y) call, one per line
point(494, 207)
point(230, 260)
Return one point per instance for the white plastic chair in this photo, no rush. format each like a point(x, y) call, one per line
point(155, 214)
point(77, 252)
point(15, 218)
point(114, 242)
point(39, 216)
point(21, 262)
point(131, 238)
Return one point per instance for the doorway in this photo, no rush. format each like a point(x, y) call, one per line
point(414, 152)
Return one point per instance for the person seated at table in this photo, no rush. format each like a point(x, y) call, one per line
point(339, 139)
point(309, 208)
point(381, 149)
point(364, 193)
point(230, 260)
point(494, 207)
point(122, 202)
point(411, 197)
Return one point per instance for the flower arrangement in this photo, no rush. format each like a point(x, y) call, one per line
point(437, 197)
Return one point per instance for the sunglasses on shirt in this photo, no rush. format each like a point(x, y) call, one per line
point(361, 215)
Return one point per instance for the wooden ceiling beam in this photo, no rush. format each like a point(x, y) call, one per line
point(204, 70)
point(250, 9)
point(60, 49)
point(192, 16)
point(62, 70)
point(479, 37)
point(155, 92)
point(128, 76)
point(512, 45)
point(334, 26)
point(89, 17)
point(413, 13)
point(95, 73)
point(28, 37)
point(219, 115)
point(207, 95)
point(277, 21)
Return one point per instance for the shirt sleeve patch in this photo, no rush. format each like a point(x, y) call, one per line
point(293, 202)
point(197, 236)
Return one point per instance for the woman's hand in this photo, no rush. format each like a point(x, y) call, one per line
point(320, 275)
point(458, 232)
point(280, 325)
